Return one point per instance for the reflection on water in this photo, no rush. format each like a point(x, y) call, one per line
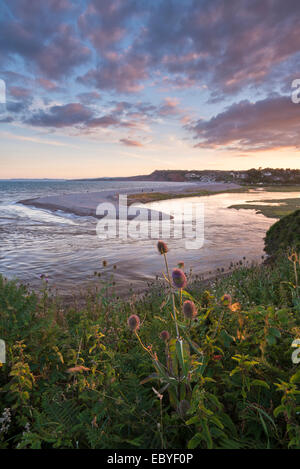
point(66, 248)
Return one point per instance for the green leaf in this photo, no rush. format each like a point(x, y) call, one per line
point(192, 420)
point(259, 382)
point(271, 340)
point(279, 410)
point(187, 295)
point(274, 332)
point(295, 378)
point(195, 441)
point(226, 338)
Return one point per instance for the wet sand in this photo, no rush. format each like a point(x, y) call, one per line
point(85, 204)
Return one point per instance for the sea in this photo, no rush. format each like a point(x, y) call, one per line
point(68, 251)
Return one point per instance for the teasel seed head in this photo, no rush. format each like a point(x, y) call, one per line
point(179, 278)
point(133, 322)
point(165, 336)
point(189, 309)
point(162, 247)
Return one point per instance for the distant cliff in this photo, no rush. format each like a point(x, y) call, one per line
point(250, 176)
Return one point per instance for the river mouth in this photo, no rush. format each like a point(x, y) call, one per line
point(66, 247)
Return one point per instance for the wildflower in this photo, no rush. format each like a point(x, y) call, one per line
point(181, 265)
point(133, 322)
point(179, 278)
point(189, 309)
point(44, 278)
point(77, 369)
point(226, 300)
point(162, 247)
point(165, 336)
point(217, 357)
point(235, 307)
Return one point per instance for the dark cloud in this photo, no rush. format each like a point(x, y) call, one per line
point(17, 107)
point(7, 119)
point(19, 92)
point(84, 114)
point(130, 143)
point(226, 45)
point(121, 72)
point(89, 97)
point(268, 124)
point(46, 84)
point(105, 24)
point(104, 121)
point(61, 116)
point(169, 107)
point(76, 114)
point(94, 47)
point(63, 53)
point(39, 33)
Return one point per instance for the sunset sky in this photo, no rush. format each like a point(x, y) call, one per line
point(122, 87)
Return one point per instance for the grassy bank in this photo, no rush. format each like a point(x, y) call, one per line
point(272, 208)
point(269, 208)
point(220, 376)
point(147, 197)
point(284, 235)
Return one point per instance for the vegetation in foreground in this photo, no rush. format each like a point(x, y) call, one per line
point(182, 367)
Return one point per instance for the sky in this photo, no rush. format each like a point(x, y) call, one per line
point(98, 88)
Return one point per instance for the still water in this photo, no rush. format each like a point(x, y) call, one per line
point(66, 248)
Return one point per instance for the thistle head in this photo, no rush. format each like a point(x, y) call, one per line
point(133, 322)
point(162, 247)
point(189, 309)
point(179, 278)
point(180, 265)
point(165, 336)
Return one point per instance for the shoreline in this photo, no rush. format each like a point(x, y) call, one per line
point(141, 275)
point(85, 204)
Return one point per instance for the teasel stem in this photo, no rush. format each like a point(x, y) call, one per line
point(296, 274)
point(172, 295)
point(161, 430)
point(145, 348)
point(219, 324)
